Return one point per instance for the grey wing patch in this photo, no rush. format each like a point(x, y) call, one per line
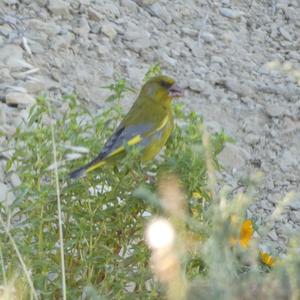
point(108, 146)
point(122, 135)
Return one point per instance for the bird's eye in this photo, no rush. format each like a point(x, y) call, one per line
point(165, 84)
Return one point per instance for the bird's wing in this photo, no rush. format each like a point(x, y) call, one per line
point(130, 135)
point(137, 134)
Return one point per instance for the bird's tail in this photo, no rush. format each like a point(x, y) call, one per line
point(92, 165)
point(78, 173)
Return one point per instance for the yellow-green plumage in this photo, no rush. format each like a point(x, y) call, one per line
point(148, 125)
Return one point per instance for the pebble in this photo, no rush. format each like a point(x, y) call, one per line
point(109, 30)
point(189, 31)
point(295, 204)
point(85, 2)
point(95, 15)
point(275, 110)
point(2, 167)
point(58, 7)
point(161, 12)
point(20, 99)
point(139, 39)
point(130, 5)
point(8, 49)
point(252, 139)
point(130, 287)
point(273, 235)
point(197, 85)
point(237, 87)
point(136, 74)
point(84, 28)
point(11, 2)
point(285, 34)
point(15, 180)
point(6, 196)
point(295, 216)
point(5, 75)
point(146, 2)
point(231, 13)
point(233, 156)
point(2, 114)
point(34, 86)
point(207, 37)
point(50, 28)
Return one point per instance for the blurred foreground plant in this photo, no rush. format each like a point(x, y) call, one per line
point(230, 264)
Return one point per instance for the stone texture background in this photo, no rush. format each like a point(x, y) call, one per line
point(217, 50)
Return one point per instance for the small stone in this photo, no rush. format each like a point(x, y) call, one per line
point(295, 216)
point(189, 31)
point(85, 2)
point(287, 161)
point(207, 37)
point(6, 196)
point(34, 86)
point(50, 28)
point(8, 50)
point(58, 7)
point(146, 2)
point(197, 85)
point(273, 235)
point(166, 58)
point(233, 156)
point(130, 287)
point(5, 74)
point(2, 114)
point(266, 205)
point(295, 204)
point(138, 39)
point(11, 2)
point(131, 5)
point(2, 168)
point(17, 64)
point(107, 69)
point(22, 99)
point(252, 139)
point(285, 34)
point(15, 180)
point(217, 60)
point(135, 74)
point(84, 28)
point(237, 87)
point(109, 30)
point(95, 15)
point(161, 12)
point(275, 110)
point(52, 276)
point(231, 13)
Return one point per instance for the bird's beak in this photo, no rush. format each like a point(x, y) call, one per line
point(175, 91)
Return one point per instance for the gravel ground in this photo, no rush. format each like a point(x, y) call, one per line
point(218, 50)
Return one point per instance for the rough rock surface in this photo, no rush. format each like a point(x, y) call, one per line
point(218, 50)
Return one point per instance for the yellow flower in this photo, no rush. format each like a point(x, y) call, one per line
point(266, 259)
point(196, 195)
point(246, 233)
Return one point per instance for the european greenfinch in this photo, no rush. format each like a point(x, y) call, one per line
point(148, 125)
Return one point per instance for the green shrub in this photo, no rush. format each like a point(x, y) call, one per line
point(103, 214)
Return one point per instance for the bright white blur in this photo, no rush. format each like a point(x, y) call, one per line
point(159, 234)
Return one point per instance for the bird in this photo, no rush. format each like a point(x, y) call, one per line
point(147, 125)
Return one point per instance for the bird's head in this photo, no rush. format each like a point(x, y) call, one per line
point(162, 88)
